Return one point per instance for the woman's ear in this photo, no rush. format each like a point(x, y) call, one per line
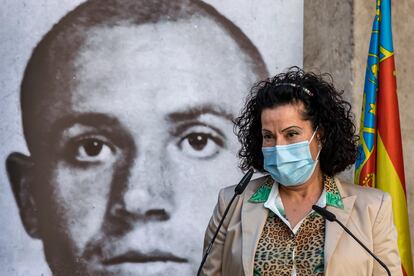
point(20, 169)
point(319, 137)
point(319, 134)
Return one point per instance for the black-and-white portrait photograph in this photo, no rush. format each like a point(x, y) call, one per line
point(116, 126)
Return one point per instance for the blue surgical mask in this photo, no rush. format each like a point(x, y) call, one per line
point(290, 165)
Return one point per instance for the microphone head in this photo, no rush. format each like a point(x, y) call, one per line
point(243, 182)
point(324, 213)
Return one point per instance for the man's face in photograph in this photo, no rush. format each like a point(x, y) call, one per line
point(139, 141)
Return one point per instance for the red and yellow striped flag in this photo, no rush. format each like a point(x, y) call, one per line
point(380, 157)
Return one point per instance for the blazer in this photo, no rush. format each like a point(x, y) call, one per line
point(367, 213)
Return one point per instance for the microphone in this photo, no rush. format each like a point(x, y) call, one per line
point(243, 182)
point(237, 191)
point(331, 217)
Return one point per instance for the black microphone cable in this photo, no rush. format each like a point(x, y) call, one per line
point(237, 191)
point(331, 217)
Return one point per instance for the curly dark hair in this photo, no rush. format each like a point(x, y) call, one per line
point(325, 108)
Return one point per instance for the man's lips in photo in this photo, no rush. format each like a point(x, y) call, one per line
point(133, 256)
point(109, 251)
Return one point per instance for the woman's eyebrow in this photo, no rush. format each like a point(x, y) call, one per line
point(266, 131)
point(291, 127)
point(196, 111)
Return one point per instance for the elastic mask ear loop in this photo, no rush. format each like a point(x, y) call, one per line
point(313, 135)
point(319, 146)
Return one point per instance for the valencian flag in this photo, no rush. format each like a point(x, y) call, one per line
point(380, 160)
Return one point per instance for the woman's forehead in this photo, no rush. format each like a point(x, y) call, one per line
point(284, 116)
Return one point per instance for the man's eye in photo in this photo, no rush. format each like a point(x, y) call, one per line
point(89, 150)
point(201, 144)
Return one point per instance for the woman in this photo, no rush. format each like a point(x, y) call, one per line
point(298, 129)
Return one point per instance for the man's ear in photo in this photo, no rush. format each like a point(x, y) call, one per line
point(20, 169)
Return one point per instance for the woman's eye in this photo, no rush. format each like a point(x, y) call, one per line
point(292, 134)
point(200, 145)
point(267, 137)
point(91, 150)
